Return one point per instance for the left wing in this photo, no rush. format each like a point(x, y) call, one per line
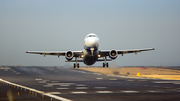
point(104, 53)
point(57, 53)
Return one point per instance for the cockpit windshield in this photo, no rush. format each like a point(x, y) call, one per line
point(91, 36)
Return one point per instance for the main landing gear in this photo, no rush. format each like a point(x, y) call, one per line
point(76, 64)
point(105, 64)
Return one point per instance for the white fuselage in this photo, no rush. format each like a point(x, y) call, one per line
point(91, 46)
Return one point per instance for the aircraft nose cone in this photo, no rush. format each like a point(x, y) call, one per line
point(92, 42)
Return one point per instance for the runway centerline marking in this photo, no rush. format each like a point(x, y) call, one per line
point(79, 92)
point(81, 87)
point(104, 91)
point(131, 91)
point(37, 91)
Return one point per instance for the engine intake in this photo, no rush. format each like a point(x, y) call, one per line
point(69, 55)
point(113, 54)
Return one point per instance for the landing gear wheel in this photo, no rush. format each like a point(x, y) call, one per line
point(103, 64)
point(78, 65)
point(107, 65)
point(74, 65)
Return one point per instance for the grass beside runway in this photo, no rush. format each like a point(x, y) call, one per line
point(149, 72)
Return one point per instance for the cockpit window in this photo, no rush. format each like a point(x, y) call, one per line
point(91, 36)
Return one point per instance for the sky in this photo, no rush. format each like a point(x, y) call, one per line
point(61, 25)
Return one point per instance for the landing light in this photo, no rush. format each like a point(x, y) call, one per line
point(99, 56)
point(82, 56)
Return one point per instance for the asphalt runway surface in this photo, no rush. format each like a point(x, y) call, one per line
point(70, 84)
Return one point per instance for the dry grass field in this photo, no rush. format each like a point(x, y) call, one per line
point(149, 72)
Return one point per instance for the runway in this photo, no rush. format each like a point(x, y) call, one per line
point(70, 84)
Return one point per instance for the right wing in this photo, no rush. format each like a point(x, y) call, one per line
point(56, 53)
point(104, 53)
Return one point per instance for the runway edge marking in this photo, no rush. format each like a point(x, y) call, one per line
point(37, 91)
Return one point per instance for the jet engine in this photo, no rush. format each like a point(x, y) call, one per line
point(69, 55)
point(113, 54)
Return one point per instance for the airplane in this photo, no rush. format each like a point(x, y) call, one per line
point(90, 53)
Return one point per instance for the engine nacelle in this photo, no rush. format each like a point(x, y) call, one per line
point(113, 54)
point(69, 55)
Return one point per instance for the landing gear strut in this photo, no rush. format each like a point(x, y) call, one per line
point(105, 64)
point(76, 64)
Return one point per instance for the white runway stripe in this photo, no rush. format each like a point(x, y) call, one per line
point(104, 91)
point(37, 91)
point(130, 91)
point(62, 88)
point(79, 92)
point(81, 87)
